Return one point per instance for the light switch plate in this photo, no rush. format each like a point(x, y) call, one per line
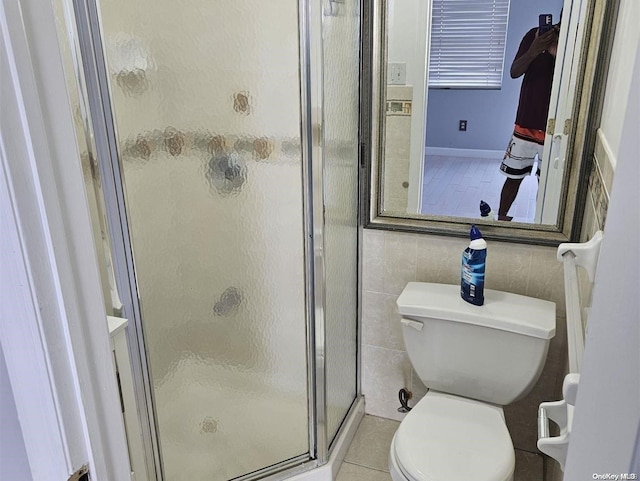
point(397, 73)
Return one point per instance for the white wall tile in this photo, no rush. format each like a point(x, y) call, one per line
point(392, 259)
point(373, 260)
point(381, 322)
point(546, 277)
point(508, 267)
point(385, 372)
point(399, 261)
point(439, 259)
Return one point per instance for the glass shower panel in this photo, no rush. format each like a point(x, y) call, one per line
point(206, 98)
point(340, 30)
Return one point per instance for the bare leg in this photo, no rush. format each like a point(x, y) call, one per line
point(508, 195)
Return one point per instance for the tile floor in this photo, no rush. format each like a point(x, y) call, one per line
point(368, 454)
point(454, 186)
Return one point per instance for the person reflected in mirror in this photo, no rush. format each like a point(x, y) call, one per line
point(536, 59)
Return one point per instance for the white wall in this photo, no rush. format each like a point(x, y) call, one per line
point(53, 330)
point(618, 87)
point(13, 455)
point(407, 32)
point(607, 416)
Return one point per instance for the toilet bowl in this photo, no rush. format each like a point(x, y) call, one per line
point(452, 438)
point(474, 360)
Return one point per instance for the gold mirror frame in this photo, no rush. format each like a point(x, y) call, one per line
point(594, 59)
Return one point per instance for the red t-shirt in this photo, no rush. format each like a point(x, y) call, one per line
point(535, 91)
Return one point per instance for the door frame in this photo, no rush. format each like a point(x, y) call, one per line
point(562, 108)
point(53, 331)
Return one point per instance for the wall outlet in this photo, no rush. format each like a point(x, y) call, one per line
point(397, 73)
point(463, 126)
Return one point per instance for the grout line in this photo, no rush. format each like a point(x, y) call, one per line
point(386, 349)
point(367, 467)
point(529, 452)
point(379, 292)
point(391, 349)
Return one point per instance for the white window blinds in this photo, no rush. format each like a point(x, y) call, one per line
point(467, 43)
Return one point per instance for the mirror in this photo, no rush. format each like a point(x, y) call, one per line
point(440, 119)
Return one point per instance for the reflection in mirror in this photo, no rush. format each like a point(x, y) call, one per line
point(442, 147)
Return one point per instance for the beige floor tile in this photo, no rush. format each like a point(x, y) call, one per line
point(370, 446)
point(353, 472)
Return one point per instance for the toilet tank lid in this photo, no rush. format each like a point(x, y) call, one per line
point(501, 310)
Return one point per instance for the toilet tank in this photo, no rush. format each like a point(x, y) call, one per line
point(493, 353)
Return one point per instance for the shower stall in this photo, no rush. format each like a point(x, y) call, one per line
point(222, 151)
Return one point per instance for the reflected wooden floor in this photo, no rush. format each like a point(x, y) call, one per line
point(454, 186)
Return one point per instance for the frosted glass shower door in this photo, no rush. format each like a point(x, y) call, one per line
point(206, 99)
point(341, 50)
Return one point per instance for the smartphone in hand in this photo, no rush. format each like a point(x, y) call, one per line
point(545, 23)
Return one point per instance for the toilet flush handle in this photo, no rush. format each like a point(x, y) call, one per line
point(417, 325)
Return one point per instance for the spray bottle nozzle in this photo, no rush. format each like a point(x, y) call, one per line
point(475, 233)
point(485, 209)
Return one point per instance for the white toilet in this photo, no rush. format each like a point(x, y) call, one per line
point(474, 360)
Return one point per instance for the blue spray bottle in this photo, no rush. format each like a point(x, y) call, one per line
point(485, 211)
point(473, 265)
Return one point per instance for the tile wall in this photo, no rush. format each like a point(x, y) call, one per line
point(392, 259)
point(600, 180)
point(397, 147)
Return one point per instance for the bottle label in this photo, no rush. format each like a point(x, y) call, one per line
point(472, 279)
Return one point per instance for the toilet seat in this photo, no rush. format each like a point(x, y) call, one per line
point(451, 438)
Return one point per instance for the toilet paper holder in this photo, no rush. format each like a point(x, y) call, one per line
point(561, 413)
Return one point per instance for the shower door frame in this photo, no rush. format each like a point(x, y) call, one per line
point(90, 65)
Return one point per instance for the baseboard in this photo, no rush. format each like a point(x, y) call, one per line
point(329, 471)
point(478, 154)
point(346, 437)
